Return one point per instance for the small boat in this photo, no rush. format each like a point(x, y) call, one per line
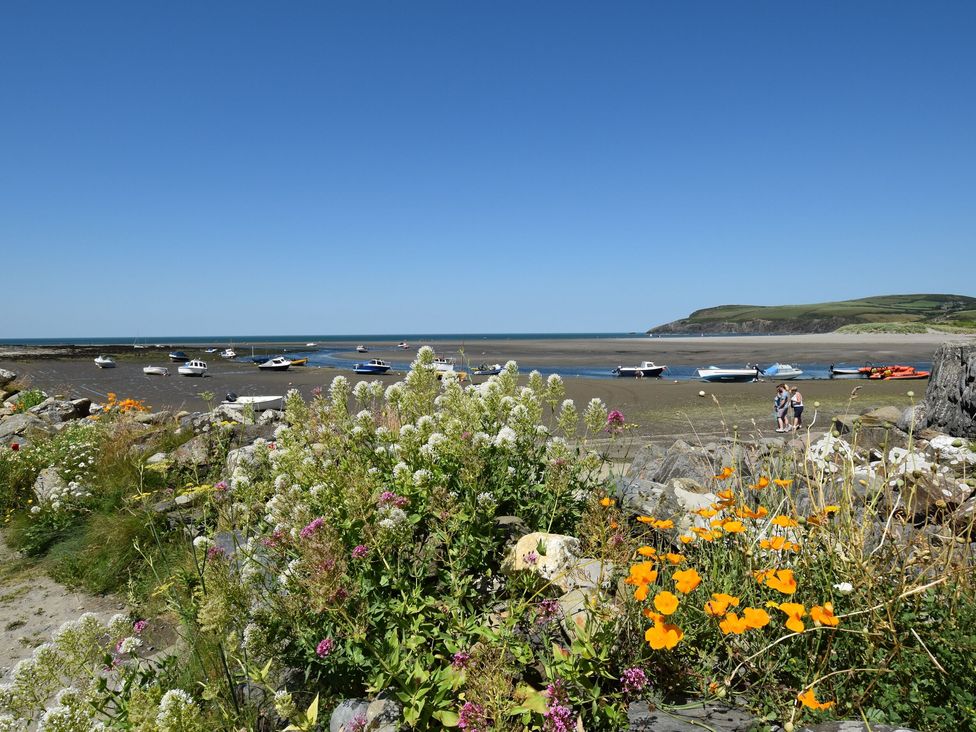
point(444, 364)
point(846, 371)
point(373, 366)
point(487, 370)
point(362, 349)
point(196, 367)
point(105, 362)
point(155, 371)
point(228, 353)
point(278, 363)
point(299, 361)
point(403, 345)
point(178, 357)
point(647, 368)
point(783, 371)
point(890, 373)
point(714, 373)
point(311, 344)
point(258, 403)
point(210, 350)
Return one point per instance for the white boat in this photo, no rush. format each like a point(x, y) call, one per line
point(278, 363)
point(487, 369)
point(196, 367)
point(105, 362)
point(228, 353)
point(362, 349)
point(210, 350)
point(373, 366)
point(714, 373)
point(647, 368)
point(403, 345)
point(258, 403)
point(783, 371)
point(444, 364)
point(311, 343)
point(155, 371)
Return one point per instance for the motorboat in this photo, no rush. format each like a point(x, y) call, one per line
point(210, 350)
point(373, 366)
point(361, 349)
point(444, 364)
point(647, 368)
point(714, 373)
point(155, 371)
point(257, 403)
point(178, 357)
point(105, 362)
point(783, 371)
point(278, 363)
point(403, 345)
point(311, 344)
point(196, 367)
point(487, 370)
point(847, 371)
point(892, 373)
point(228, 353)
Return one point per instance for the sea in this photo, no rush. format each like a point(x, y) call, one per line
point(326, 352)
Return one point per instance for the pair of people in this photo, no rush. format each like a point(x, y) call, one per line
point(788, 397)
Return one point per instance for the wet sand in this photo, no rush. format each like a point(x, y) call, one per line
point(658, 407)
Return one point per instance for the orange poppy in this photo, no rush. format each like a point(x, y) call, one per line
point(733, 527)
point(794, 614)
point(809, 700)
point(733, 624)
point(720, 603)
point(824, 615)
point(760, 484)
point(665, 602)
point(783, 483)
point(686, 580)
point(725, 474)
point(755, 617)
point(663, 635)
point(606, 501)
point(785, 521)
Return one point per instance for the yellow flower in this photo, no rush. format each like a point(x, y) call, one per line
point(663, 635)
point(686, 538)
point(755, 617)
point(606, 502)
point(674, 558)
point(646, 551)
point(824, 615)
point(785, 521)
point(733, 527)
point(720, 603)
point(783, 483)
point(665, 602)
point(686, 580)
point(733, 624)
point(808, 699)
point(705, 512)
point(725, 474)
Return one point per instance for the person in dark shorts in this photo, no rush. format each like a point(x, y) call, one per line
point(781, 408)
point(796, 401)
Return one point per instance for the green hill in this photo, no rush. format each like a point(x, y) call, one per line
point(893, 313)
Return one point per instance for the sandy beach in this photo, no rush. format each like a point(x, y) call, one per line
point(658, 407)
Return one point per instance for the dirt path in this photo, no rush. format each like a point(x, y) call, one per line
point(33, 606)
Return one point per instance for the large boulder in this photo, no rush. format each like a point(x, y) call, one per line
point(690, 717)
point(950, 399)
point(554, 557)
point(56, 411)
point(193, 453)
point(6, 377)
point(22, 424)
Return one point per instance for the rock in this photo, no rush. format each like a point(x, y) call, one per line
point(882, 415)
point(691, 717)
point(829, 453)
point(270, 417)
point(963, 519)
point(950, 399)
point(23, 424)
point(348, 713)
point(675, 500)
point(647, 461)
point(912, 419)
point(47, 484)
point(383, 715)
point(243, 457)
point(512, 527)
point(194, 453)
point(56, 411)
point(6, 377)
point(950, 449)
point(684, 461)
point(226, 413)
point(82, 406)
point(551, 556)
point(154, 418)
point(852, 726)
point(159, 457)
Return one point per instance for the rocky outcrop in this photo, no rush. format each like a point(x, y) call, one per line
point(950, 399)
point(6, 377)
point(21, 425)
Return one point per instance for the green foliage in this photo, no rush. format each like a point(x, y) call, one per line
point(27, 399)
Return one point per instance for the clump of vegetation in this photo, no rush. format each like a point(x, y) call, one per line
point(378, 543)
point(27, 399)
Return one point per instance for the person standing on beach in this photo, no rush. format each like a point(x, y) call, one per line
point(796, 401)
point(781, 407)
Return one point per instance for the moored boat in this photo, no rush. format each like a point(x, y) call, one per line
point(891, 373)
point(258, 403)
point(178, 357)
point(299, 361)
point(105, 362)
point(195, 367)
point(646, 368)
point(373, 366)
point(278, 363)
point(155, 371)
point(783, 371)
point(210, 350)
point(403, 345)
point(847, 371)
point(362, 349)
point(487, 370)
point(228, 353)
point(716, 374)
point(444, 364)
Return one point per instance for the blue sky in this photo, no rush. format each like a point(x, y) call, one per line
point(193, 168)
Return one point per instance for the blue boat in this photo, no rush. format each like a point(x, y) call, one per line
point(373, 366)
point(178, 357)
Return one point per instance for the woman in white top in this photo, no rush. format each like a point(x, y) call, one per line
point(796, 401)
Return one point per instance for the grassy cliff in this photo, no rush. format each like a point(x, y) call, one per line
point(897, 313)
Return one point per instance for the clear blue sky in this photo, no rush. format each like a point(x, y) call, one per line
point(192, 168)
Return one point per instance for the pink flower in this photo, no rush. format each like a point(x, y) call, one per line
point(559, 715)
point(15, 446)
point(546, 611)
point(360, 551)
point(461, 660)
point(615, 419)
point(471, 717)
point(391, 498)
point(325, 647)
point(139, 626)
point(220, 487)
point(633, 680)
point(531, 558)
point(311, 527)
point(215, 552)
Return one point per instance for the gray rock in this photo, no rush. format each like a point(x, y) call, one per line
point(243, 457)
point(82, 406)
point(270, 417)
point(23, 424)
point(673, 500)
point(684, 461)
point(889, 415)
point(512, 527)
point(913, 418)
point(347, 713)
point(194, 453)
point(154, 418)
point(380, 715)
point(48, 483)
point(56, 411)
point(690, 718)
point(647, 461)
point(950, 399)
point(225, 413)
point(852, 726)
point(6, 377)
point(159, 457)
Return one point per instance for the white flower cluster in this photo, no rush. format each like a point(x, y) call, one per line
point(66, 498)
point(177, 712)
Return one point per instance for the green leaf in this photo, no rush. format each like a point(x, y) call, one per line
point(312, 713)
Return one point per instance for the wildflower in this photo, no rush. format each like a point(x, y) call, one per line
point(844, 588)
point(176, 711)
point(607, 502)
point(725, 474)
point(733, 624)
point(784, 521)
point(794, 615)
point(646, 551)
point(705, 512)
point(720, 603)
point(559, 715)
point(755, 617)
point(779, 543)
point(824, 615)
point(461, 660)
point(139, 626)
point(546, 611)
point(705, 534)
point(746, 512)
point(615, 417)
point(471, 717)
point(662, 635)
point(633, 680)
point(127, 645)
point(809, 700)
point(665, 602)
point(360, 551)
point(674, 558)
point(781, 580)
point(686, 538)
point(686, 580)
point(325, 647)
point(531, 558)
point(733, 527)
point(311, 527)
point(642, 574)
point(760, 484)
point(783, 483)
